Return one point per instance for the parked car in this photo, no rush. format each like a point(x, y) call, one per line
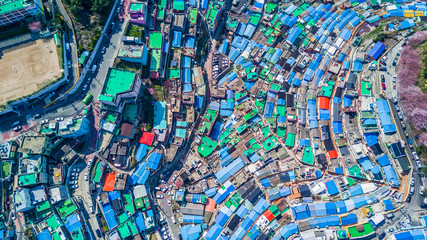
point(103, 50)
point(412, 191)
point(419, 164)
point(98, 233)
point(412, 181)
point(159, 196)
point(76, 170)
point(415, 155)
point(421, 190)
point(383, 86)
point(169, 202)
point(390, 230)
point(395, 100)
point(173, 220)
point(91, 209)
point(382, 78)
point(17, 129)
point(85, 87)
point(44, 121)
point(86, 177)
point(74, 174)
point(13, 215)
point(69, 64)
point(58, 119)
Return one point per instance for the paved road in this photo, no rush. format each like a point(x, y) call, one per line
point(180, 156)
point(72, 105)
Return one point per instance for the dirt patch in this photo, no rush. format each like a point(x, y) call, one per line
point(28, 68)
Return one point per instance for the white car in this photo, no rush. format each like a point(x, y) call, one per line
point(91, 209)
point(59, 119)
point(421, 190)
point(73, 182)
point(90, 162)
point(412, 181)
point(173, 220)
point(44, 121)
point(159, 196)
point(170, 193)
point(85, 87)
point(13, 215)
point(169, 202)
point(74, 174)
point(86, 177)
point(419, 164)
point(416, 156)
point(76, 169)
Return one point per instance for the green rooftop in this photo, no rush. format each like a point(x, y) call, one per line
point(136, 7)
point(174, 73)
point(270, 143)
point(155, 40)
point(213, 10)
point(155, 60)
point(178, 5)
point(193, 15)
point(13, 5)
point(128, 202)
point(255, 19)
point(117, 81)
point(207, 146)
point(99, 169)
point(210, 115)
point(290, 140)
point(327, 90)
point(77, 234)
point(271, 7)
point(42, 206)
point(53, 222)
point(28, 179)
point(366, 88)
point(367, 229)
point(66, 208)
point(6, 168)
point(308, 156)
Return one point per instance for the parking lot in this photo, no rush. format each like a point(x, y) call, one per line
point(219, 64)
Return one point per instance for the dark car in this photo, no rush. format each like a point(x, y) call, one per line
point(408, 200)
point(98, 233)
point(382, 78)
point(383, 86)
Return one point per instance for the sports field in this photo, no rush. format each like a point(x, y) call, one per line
point(27, 68)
